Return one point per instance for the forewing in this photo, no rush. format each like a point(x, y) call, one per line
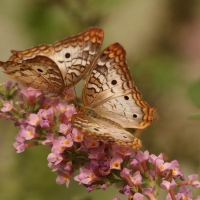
point(100, 132)
point(39, 72)
point(110, 92)
point(73, 55)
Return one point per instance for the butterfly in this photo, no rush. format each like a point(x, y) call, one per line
point(57, 67)
point(111, 102)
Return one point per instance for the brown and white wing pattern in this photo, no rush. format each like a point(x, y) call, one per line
point(110, 93)
point(39, 72)
point(108, 133)
point(112, 102)
point(73, 55)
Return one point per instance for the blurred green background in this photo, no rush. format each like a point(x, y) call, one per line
point(162, 39)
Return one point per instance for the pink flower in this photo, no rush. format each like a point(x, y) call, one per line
point(77, 135)
point(8, 85)
point(138, 196)
point(54, 167)
point(70, 94)
point(184, 193)
point(104, 168)
point(123, 151)
point(19, 147)
point(153, 158)
point(64, 128)
point(115, 162)
point(96, 153)
point(134, 163)
point(89, 143)
point(116, 198)
point(49, 139)
point(125, 172)
point(54, 158)
point(67, 142)
point(34, 119)
point(86, 177)
point(104, 186)
point(62, 107)
point(45, 124)
point(60, 144)
point(136, 178)
point(149, 192)
point(162, 165)
point(43, 114)
point(30, 92)
point(63, 178)
point(192, 180)
point(71, 110)
point(7, 106)
point(68, 166)
point(142, 156)
point(175, 169)
point(166, 185)
point(28, 133)
point(126, 190)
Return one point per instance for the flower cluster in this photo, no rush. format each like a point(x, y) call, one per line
point(44, 121)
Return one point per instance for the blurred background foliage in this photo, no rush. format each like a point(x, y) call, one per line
point(162, 39)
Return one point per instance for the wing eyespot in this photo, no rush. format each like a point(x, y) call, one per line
point(113, 82)
point(126, 97)
point(67, 55)
point(40, 70)
point(134, 115)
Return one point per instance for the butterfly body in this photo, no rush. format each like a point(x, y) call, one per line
point(98, 118)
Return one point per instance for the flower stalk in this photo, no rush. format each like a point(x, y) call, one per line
point(42, 121)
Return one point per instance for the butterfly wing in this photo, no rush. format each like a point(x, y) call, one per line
point(109, 91)
point(101, 132)
point(40, 72)
point(73, 55)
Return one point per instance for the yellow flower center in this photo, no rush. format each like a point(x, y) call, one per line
point(61, 148)
point(91, 176)
point(37, 120)
point(123, 150)
point(63, 109)
point(162, 167)
point(174, 172)
point(9, 106)
point(79, 137)
point(30, 133)
point(116, 164)
point(93, 144)
point(67, 142)
point(66, 177)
